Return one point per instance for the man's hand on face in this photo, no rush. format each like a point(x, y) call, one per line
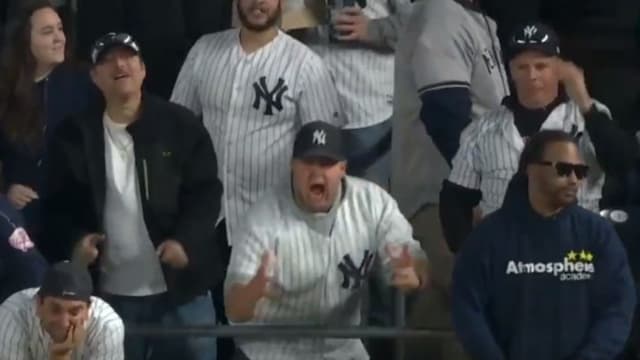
point(76, 335)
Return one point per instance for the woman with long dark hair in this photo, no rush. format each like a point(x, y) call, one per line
point(38, 89)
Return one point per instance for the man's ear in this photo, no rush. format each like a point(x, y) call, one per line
point(93, 75)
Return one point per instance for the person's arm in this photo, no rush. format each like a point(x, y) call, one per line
point(615, 150)
point(461, 192)
point(613, 299)
point(13, 337)
point(319, 97)
point(185, 91)
point(200, 201)
point(394, 233)
point(381, 32)
point(442, 65)
point(68, 198)
point(248, 271)
point(108, 344)
point(471, 287)
point(456, 213)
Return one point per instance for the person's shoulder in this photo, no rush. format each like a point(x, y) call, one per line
point(300, 52)
point(435, 12)
point(361, 187)
point(488, 123)
point(104, 317)
point(367, 194)
point(492, 227)
point(172, 112)
point(217, 40)
point(18, 305)
point(573, 108)
point(591, 220)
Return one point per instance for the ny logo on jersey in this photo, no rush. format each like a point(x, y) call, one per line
point(488, 60)
point(352, 276)
point(530, 30)
point(319, 137)
point(272, 98)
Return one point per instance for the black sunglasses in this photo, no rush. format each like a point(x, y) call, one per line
point(565, 168)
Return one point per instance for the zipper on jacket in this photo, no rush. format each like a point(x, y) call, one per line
point(146, 178)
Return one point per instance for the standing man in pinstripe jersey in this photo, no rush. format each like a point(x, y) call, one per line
point(308, 246)
point(550, 94)
point(254, 87)
point(448, 72)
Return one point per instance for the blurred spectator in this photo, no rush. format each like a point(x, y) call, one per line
point(134, 192)
point(21, 265)
point(60, 320)
point(308, 246)
point(38, 89)
point(165, 30)
point(543, 278)
point(549, 94)
point(358, 49)
point(448, 72)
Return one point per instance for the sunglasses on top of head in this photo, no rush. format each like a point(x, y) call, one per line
point(565, 168)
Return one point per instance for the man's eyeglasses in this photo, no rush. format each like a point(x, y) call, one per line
point(565, 168)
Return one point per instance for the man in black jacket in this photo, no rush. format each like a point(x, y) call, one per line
point(134, 184)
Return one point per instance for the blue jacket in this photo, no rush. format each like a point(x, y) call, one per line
point(529, 288)
point(65, 91)
point(18, 269)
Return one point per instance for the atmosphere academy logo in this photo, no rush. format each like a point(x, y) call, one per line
point(577, 266)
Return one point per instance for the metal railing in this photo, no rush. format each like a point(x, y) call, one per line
point(398, 331)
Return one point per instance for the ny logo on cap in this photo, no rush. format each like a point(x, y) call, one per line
point(530, 30)
point(319, 137)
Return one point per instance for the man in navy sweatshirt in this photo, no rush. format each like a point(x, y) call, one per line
point(542, 278)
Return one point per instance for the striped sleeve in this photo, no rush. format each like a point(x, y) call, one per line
point(185, 91)
point(465, 165)
point(248, 248)
point(13, 336)
point(393, 231)
point(319, 97)
point(106, 338)
point(443, 57)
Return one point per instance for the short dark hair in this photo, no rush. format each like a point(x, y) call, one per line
point(534, 149)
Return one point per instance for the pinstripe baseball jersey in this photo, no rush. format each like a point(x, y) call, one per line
point(445, 45)
point(363, 75)
point(490, 151)
point(321, 263)
point(23, 338)
point(253, 105)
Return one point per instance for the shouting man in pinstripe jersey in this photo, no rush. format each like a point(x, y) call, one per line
point(308, 246)
point(550, 94)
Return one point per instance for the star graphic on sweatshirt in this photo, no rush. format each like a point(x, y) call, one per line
point(583, 255)
point(571, 256)
point(589, 257)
